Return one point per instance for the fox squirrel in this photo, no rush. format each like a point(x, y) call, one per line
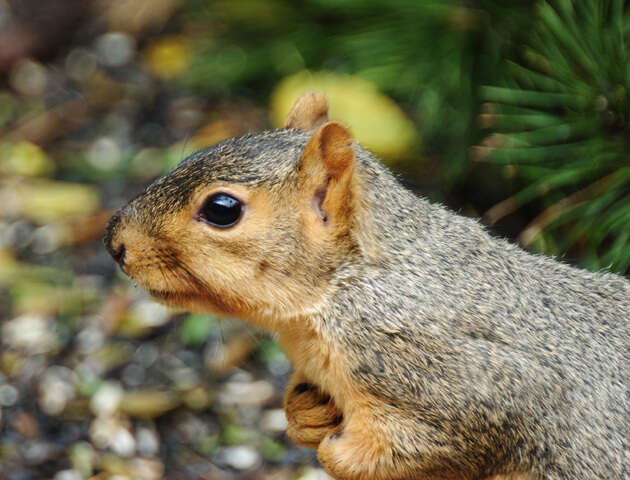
point(423, 347)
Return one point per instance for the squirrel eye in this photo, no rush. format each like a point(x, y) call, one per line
point(221, 210)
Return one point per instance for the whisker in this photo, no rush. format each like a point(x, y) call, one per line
point(184, 276)
point(181, 153)
point(191, 280)
point(175, 270)
point(252, 332)
point(169, 279)
point(192, 277)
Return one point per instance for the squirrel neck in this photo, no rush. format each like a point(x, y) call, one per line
point(390, 220)
point(388, 223)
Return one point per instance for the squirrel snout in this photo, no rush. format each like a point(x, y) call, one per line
point(118, 254)
point(115, 249)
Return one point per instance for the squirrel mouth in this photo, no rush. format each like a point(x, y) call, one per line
point(187, 300)
point(204, 300)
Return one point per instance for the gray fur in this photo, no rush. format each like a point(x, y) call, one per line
point(518, 360)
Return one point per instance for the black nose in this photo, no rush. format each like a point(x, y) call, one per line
point(117, 253)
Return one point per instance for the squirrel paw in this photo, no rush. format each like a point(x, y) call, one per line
point(311, 414)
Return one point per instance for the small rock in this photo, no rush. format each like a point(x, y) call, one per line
point(240, 457)
point(274, 421)
point(101, 431)
point(146, 469)
point(56, 389)
point(185, 378)
point(148, 403)
point(110, 355)
point(311, 473)
point(80, 64)
point(16, 235)
point(104, 154)
point(8, 395)
point(150, 314)
point(198, 398)
point(26, 425)
point(115, 49)
point(28, 77)
point(90, 339)
point(110, 432)
point(83, 458)
point(106, 399)
point(133, 374)
point(192, 428)
point(37, 452)
point(242, 376)
point(147, 441)
point(27, 159)
point(68, 475)
point(47, 238)
point(30, 333)
point(146, 354)
point(246, 393)
point(32, 368)
point(122, 442)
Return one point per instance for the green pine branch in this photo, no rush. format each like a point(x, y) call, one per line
point(561, 122)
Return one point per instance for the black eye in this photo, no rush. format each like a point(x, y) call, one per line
point(221, 210)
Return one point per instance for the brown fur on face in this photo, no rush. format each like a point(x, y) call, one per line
point(183, 261)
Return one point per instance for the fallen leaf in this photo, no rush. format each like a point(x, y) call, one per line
point(374, 119)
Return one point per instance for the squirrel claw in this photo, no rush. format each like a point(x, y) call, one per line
point(311, 415)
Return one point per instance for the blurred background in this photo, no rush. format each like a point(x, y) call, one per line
point(513, 111)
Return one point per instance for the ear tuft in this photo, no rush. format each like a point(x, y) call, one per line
point(309, 112)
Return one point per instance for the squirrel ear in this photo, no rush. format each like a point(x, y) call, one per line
point(309, 111)
point(329, 151)
point(326, 171)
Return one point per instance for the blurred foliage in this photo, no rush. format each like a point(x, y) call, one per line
point(424, 54)
point(562, 125)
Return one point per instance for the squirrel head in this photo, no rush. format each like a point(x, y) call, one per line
point(256, 226)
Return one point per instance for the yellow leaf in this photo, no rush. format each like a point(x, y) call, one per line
point(148, 403)
point(168, 57)
point(25, 159)
point(375, 120)
point(44, 201)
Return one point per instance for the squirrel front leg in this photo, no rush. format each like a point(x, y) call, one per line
point(387, 447)
point(311, 413)
point(362, 450)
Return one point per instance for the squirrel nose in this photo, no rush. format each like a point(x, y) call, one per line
point(117, 252)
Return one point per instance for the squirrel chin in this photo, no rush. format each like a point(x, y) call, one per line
point(190, 301)
point(178, 300)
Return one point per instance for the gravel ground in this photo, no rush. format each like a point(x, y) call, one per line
point(90, 402)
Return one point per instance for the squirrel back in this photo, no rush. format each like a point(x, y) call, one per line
point(426, 347)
